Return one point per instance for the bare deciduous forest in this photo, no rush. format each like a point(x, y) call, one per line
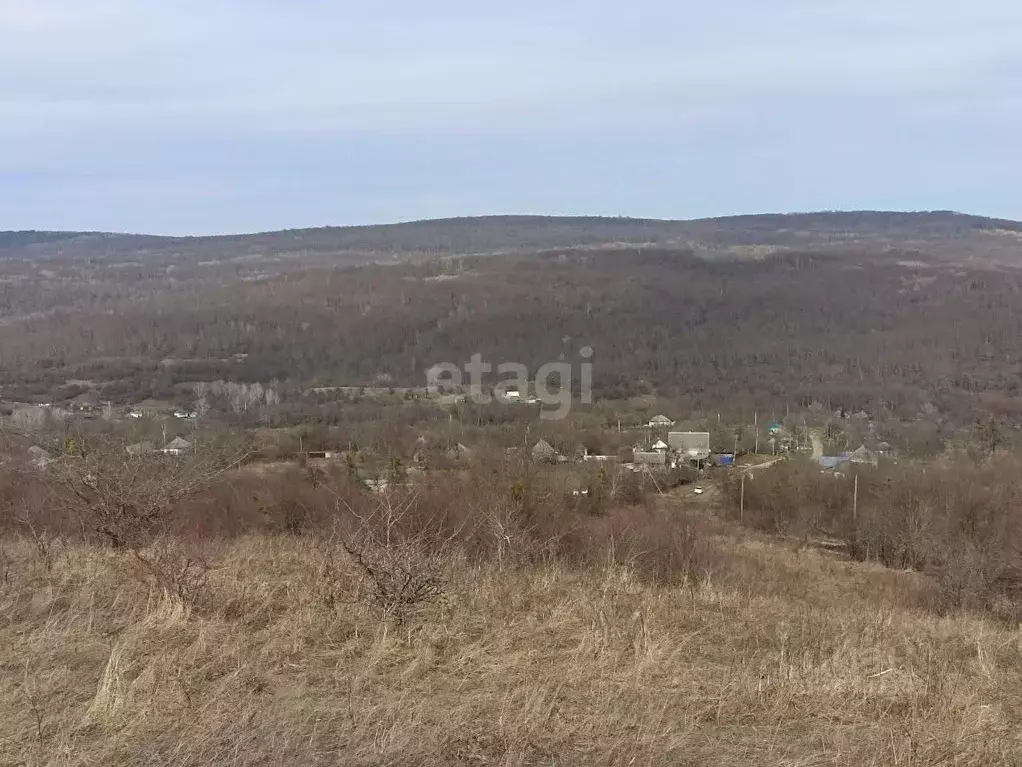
point(856, 324)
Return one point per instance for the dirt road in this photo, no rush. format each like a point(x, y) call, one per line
point(814, 437)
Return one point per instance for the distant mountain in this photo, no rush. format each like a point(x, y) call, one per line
point(942, 234)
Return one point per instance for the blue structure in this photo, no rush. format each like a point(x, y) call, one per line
point(832, 461)
point(726, 460)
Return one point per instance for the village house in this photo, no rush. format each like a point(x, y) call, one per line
point(692, 445)
point(863, 457)
point(587, 456)
point(323, 454)
point(176, 447)
point(860, 457)
point(86, 402)
point(660, 422)
point(544, 451)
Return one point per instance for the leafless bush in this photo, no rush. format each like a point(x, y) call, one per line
point(398, 559)
point(660, 547)
point(173, 568)
point(128, 499)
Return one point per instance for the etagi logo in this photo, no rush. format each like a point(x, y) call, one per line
point(555, 395)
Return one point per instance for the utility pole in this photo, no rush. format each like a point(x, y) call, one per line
point(855, 501)
point(649, 473)
point(755, 425)
point(741, 508)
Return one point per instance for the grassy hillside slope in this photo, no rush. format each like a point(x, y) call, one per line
point(767, 655)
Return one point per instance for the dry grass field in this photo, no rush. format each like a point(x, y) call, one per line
point(777, 656)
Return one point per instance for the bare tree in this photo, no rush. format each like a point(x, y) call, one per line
point(127, 497)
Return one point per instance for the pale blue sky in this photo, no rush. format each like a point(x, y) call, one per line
point(203, 116)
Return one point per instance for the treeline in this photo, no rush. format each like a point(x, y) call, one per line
point(957, 520)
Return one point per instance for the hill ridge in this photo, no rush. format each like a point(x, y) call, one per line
point(920, 231)
point(39, 236)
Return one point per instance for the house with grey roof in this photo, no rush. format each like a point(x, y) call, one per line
point(177, 446)
point(863, 457)
point(544, 451)
point(693, 445)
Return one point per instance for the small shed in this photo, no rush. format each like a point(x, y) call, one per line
point(323, 454)
point(650, 459)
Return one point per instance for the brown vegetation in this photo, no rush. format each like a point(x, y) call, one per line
point(956, 519)
point(776, 658)
point(294, 616)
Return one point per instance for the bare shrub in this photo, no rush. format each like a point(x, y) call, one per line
point(128, 499)
point(661, 547)
point(173, 568)
point(399, 561)
point(27, 505)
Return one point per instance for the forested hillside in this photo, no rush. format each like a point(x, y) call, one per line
point(858, 329)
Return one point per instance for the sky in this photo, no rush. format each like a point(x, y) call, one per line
point(216, 116)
